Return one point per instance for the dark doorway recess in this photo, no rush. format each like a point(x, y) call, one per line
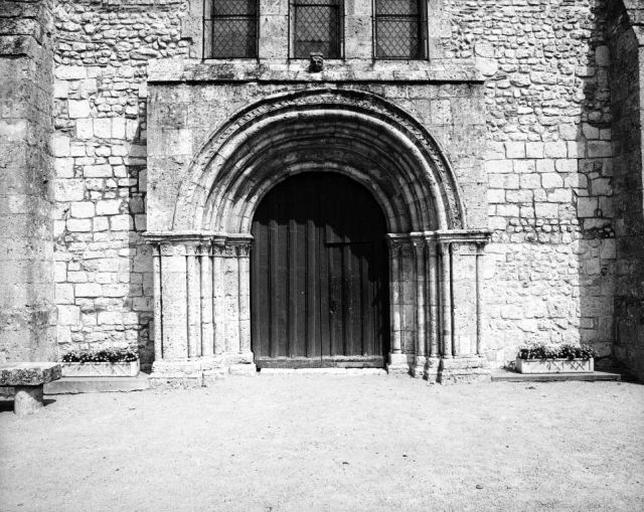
point(319, 280)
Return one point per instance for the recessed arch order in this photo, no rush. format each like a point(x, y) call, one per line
point(202, 262)
point(352, 132)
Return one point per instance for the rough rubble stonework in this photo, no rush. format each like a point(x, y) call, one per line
point(552, 176)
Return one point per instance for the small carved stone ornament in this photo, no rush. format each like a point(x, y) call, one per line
point(317, 62)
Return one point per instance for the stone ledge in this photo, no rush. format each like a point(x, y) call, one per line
point(502, 375)
point(74, 385)
point(28, 374)
point(239, 70)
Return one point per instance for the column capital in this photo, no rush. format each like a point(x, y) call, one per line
point(180, 243)
point(233, 246)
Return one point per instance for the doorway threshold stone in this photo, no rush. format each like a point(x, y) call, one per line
point(324, 371)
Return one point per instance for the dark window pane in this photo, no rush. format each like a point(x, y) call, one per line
point(231, 31)
point(397, 38)
point(317, 28)
point(397, 7)
point(399, 29)
point(234, 8)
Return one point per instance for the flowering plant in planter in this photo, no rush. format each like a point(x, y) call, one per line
point(542, 351)
point(101, 363)
point(117, 355)
point(542, 358)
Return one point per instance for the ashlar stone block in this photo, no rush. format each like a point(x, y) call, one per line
point(78, 108)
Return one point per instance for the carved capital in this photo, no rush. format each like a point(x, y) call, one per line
point(170, 249)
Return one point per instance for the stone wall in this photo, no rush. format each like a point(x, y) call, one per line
point(27, 308)
point(552, 262)
point(626, 42)
point(103, 268)
point(552, 258)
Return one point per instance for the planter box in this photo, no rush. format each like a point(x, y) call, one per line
point(127, 369)
point(555, 365)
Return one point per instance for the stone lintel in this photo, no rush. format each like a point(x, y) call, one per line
point(297, 70)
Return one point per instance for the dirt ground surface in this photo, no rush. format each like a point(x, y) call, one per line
point(330, 442)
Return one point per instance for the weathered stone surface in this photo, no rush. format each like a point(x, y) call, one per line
point(625, 54)
point(27, 399)
point(28, 374)
point(543, 155)
point(27, 307)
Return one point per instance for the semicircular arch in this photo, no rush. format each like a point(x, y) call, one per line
point(355, 133)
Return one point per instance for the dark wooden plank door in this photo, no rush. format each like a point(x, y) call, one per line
point(319, 294)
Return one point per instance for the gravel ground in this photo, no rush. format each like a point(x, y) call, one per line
point(327, 443)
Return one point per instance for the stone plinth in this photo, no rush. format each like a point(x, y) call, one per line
point(463, 370)
point(29, 374)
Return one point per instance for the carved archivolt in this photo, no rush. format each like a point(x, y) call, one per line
point(351, 132)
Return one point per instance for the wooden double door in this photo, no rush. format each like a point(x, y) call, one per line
point(319, 279)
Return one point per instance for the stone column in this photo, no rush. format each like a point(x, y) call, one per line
point(202, 306)
point(207, 320)
point(461, 253)
point(446, 299)
point(231, 296)
point(399, 270)
point(432, 294)
point(174, 301)
point(193, 283)
point(420, 362)
point(397, 360)
point(240, 354)
point(158, 323)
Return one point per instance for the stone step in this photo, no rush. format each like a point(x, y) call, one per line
point(73, 385)
point(323, 371)
point(502, 375)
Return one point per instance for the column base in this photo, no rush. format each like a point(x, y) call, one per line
point(200, 371)
point(177, 374)
point(418, 367)
point(431, 370)
point(463, 370)
point(400, 364)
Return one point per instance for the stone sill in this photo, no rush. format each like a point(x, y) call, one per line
point(250, 70)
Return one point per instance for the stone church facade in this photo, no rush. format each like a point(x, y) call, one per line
point(142, 142)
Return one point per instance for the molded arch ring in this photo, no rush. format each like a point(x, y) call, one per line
point(352, 132)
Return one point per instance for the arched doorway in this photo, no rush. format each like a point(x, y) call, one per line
point(319, 279)
point(202, 261)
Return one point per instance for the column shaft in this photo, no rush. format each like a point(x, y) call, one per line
point(194, 303)
point(207, 331)
point(434, 336)
point(446, 299)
